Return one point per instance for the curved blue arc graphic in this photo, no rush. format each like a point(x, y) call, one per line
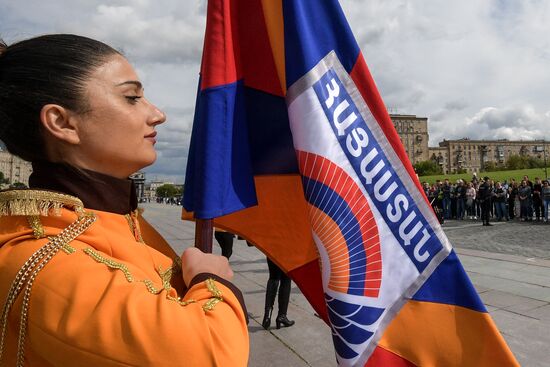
point(333, 205)
point(348, 325)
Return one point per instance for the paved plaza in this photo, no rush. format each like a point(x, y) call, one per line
point(509, 264)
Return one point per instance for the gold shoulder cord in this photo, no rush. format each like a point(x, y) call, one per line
point(132, 220)
point(216, 295)
point(37, 202)
point(33, 203)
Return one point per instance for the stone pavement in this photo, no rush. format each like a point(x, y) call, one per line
point(508, 263)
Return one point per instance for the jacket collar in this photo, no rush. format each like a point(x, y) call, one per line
point(96, 190)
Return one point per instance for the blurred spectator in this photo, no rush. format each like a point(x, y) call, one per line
point(524, 194)
point(484, 195)
point(512, 197)
point(546, 200)
point(460, 195)
point(446, 199)
point(537, 199)
point(500, 202)
point(470, 201)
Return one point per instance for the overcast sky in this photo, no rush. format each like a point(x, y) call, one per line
point(475, 68)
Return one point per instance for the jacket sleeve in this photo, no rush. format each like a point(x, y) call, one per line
point(88, 310)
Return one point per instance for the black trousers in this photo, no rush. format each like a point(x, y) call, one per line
point(485, 210)
point(537, 206)
point(225, 240)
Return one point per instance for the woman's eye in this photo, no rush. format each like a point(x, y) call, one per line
point(133, 99)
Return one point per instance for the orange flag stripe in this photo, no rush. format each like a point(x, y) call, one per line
point(433, 334)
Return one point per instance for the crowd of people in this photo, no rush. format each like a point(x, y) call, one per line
point(486, 199)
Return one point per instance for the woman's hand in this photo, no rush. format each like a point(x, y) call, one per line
point(194, 262)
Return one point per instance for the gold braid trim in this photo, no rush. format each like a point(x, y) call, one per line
point(211, 285)
point(166, 277)
point(37, 202)
point(27, 274)
point(36, 225)
point(210, 304)
point(216, 293)
point(151, 288)
point(132, 220)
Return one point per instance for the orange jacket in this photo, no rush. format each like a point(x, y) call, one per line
point(106, 298)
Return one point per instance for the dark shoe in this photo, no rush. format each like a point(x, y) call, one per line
point(488, 224)
point(266, 323)
point(284, 321)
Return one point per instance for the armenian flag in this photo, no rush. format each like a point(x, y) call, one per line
point(293, 149)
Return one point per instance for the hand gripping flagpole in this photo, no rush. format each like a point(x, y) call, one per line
point(203, 235)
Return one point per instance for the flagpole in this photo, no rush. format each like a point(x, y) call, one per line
point(203, 235)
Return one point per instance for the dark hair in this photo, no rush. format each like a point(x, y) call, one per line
point(38, 71)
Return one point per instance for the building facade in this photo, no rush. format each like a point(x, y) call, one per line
point(14, 168)
point(413, 132)
point(466, 155)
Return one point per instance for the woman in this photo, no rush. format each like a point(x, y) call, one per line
point(278, 281)
point(500, 202)
point(86, 281)
point(470, 200)
point(546, 200)
point(524, 194)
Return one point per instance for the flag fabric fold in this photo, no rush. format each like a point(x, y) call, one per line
point(293, 149)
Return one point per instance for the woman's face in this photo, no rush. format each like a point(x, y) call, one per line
point(117, 133)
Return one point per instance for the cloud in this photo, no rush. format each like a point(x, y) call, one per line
point(512, 123)
point(174, 35)
point(476, 69)
point(450, 63)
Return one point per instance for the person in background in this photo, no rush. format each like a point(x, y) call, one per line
point(484, 196)
point(446, 200)
point(500, 202)
point(470, 201)
point(85, 280)
point(426, 189)
point(225, 240)
point(524, 194)
point(546, 200)
point(460, 193)
point(477, 201)
point(537, 199)
point(512, 195)
point(278, 282)
point(529, 206)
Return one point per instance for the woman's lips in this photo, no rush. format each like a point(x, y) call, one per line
point(152, 137)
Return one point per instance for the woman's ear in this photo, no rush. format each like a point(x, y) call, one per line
point(60, 123)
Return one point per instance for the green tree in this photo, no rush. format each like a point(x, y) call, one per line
point(490, 166)
point(522, 162)
point(167, 191)
point(515, 162)
point(427, 168)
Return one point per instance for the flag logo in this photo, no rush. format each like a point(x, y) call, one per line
point(343, 223)
point(364, 215)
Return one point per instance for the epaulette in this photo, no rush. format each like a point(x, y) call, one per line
point(33, 204)
point(37, 202)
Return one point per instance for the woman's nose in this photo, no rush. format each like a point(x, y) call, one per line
point(157, 116)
